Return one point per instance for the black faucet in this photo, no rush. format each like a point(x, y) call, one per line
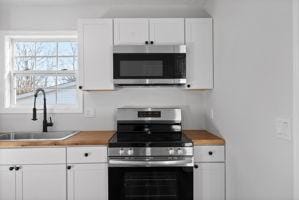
point(45, 122)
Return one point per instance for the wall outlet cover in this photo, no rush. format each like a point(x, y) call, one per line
point(90, 112)
point(283, 128)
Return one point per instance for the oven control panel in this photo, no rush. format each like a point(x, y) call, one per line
point(150, 151)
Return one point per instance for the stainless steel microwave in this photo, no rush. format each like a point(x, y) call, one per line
point(149, 64)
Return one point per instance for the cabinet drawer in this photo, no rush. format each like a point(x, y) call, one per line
point(32, 156)
point(86, 154)
point(209, 154)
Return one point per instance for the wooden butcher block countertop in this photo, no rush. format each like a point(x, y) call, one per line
point(199, 137)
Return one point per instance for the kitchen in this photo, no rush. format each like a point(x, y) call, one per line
point(236, 109)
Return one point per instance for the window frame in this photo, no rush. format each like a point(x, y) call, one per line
point(8, 105)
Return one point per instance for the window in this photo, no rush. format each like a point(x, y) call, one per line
point(49, 63)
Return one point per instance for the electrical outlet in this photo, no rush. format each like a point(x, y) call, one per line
point(283, 128)
point(90, 112)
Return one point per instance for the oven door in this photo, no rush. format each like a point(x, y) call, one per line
point(149, 68)
point(150, 183)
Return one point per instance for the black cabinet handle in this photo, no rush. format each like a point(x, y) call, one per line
point(188, 86)
point(11, 168)
point(195, 166)
point(86, 154)
point(17, 168)
point(210, 153)
point(146, 42)
point(69, 167)
point(152, 42)
point(80, 87)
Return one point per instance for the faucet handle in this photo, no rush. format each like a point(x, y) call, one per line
point(50, 123)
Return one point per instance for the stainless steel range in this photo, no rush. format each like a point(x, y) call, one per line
point(149, 156)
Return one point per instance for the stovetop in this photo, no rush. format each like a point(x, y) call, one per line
point(181, 141)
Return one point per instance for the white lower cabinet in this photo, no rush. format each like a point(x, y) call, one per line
point(33, 174)
point(88, 182)
point(7, 183)
point(209, 173)
point(42, 182)
point(209, 181)
point(87, 173)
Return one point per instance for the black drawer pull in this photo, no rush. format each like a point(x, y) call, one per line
point(69, 167)
point(11, 168)
point(195, 166)
point(210, 153)
point(17, 168)
point(86, 154)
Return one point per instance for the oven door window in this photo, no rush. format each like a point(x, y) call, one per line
point(151, 183)
point(144, 66)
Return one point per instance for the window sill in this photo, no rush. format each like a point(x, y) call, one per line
point(50, 109)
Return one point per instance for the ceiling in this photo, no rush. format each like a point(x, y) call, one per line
point(91, 2)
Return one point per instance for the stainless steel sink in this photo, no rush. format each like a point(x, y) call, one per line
point(54, 135)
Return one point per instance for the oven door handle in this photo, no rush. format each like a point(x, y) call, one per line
point(151, 163)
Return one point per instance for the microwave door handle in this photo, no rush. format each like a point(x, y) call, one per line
point(146, 163)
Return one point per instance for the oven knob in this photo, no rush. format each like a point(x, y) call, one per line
point(121, 151)
point(180, 151)
point(130, 152)
point(171, 151)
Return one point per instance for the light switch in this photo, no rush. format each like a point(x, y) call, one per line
point(283, 129)
point(90, 112)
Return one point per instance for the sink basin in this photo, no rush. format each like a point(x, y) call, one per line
point(54, 135)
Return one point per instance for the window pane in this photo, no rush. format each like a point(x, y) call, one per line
point(24, 89)
point(50, 95)
point(24, 49)
point(25, 99)
point(49, 57)
point(67, 48)
point(45, 82)
point(24, 84)
point(67, 63)
point(24, 63)
point(66, 82)
point(46, 63)
point(67, 96)
point(46, 48)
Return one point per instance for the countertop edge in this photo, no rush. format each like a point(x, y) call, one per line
point(87, 138)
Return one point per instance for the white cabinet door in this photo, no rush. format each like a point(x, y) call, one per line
point(167, 31)
point(199, 41)
point(88, 182)
point(7, 183)
point(41, 182)
point(131, 31)
point(95, 54)
point(209, 181)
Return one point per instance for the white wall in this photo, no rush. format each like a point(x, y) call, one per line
point(253, 86)
point(14, 17)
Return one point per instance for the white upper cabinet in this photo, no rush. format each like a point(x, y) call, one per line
point(95, 54)
point(199, 41)
point(140, 31)
point(167, 31)
point(131, 31)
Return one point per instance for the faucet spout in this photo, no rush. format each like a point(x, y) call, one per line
point(34, 118)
